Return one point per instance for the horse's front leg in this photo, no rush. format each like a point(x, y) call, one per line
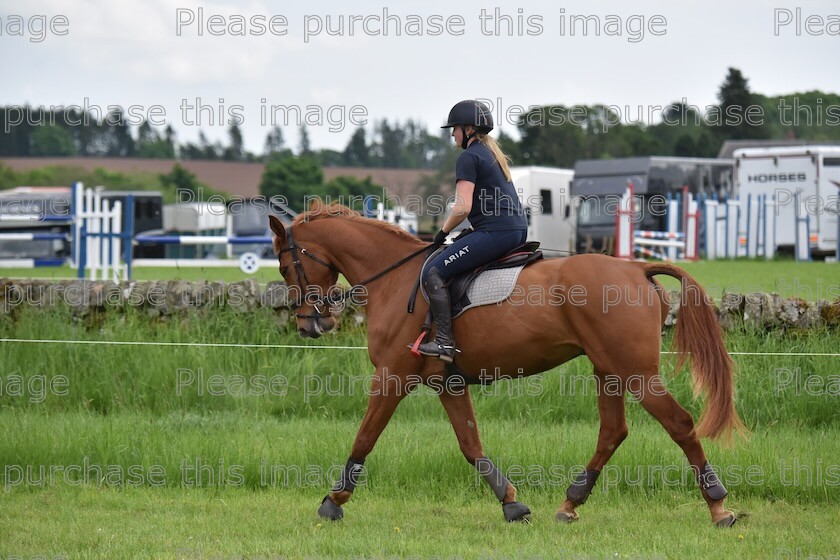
point(459, 407)
point(387, 390)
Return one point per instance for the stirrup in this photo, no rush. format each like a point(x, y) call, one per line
point(443, 352)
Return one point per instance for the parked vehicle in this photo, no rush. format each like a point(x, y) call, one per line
point(546, 194)
point(807, 174)
point(599, 184)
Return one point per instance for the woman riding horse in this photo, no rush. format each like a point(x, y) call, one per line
point(486, 196)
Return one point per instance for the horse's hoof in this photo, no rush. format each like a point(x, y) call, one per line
point(330, 510)
point(565, 517)
point(727, 521)
point(516, 511)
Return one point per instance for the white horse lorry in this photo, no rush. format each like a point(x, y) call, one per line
point(546, 195)
point(805, 182)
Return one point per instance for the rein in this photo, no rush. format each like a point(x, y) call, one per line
point(331, 300)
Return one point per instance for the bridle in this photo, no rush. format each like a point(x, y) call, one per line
point(300, 272)
point(327, 301)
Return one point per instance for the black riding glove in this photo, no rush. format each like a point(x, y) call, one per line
point(440, 237)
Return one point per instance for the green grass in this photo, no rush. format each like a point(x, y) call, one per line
point(810, 281)
point(807, 280)
point(163, 379)
point(125, 414)
point(415, 457)
point(419, 498)
point(181, 523)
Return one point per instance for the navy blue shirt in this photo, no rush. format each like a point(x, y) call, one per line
point(495, 205)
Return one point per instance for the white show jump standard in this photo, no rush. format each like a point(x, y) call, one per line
point(101, 235)
point(97, 235)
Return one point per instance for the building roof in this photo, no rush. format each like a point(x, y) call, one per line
point(232, 177)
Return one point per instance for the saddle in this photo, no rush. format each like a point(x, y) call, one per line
point(459, 287)
point(494, 277)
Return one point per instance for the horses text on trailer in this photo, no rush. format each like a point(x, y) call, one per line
point(546, 195)
point(599, 184)
point(812, 172)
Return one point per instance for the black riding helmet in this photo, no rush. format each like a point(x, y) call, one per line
point(470, 112)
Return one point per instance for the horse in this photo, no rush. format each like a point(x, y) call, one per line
point(608, 309)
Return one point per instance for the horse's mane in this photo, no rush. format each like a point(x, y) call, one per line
point(318, 210)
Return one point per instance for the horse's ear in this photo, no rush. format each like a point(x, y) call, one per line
point(315, 204)
point(277, 227)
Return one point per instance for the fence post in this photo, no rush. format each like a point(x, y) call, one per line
point(75, 233)
point(673, 223)
point(82, 263)
point(624, 225)
point(711, 228)
point(116, 241)
point(128, 234)
point(732, 220)
point(105, 247)
point(802, 247)
point(769, 226)
point(753, 224)
point(692, 230)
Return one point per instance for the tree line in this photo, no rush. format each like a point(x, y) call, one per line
point(37, 132)
point(577, 132)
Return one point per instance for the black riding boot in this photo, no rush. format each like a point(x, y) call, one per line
point(443, 346)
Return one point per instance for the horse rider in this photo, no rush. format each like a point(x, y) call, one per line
point(486, 196)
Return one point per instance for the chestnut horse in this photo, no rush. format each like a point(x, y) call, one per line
point(608, 309)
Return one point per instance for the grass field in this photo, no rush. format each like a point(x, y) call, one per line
point(231, 274)
point(233, 524)
point(810, 281)
point(160, 451)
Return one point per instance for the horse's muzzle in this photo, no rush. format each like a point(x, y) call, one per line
point(314, 328)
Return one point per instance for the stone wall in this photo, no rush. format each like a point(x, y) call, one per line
point(760, 311)
point(154, 299)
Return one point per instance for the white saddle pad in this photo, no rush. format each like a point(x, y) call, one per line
point(491, 286)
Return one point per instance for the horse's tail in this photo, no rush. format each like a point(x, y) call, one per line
point(712, 371)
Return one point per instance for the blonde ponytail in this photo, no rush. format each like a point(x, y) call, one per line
point(493, 146)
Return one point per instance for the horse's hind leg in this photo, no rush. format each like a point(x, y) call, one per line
point(458, 404)
point(613, 431)
point(680, 426)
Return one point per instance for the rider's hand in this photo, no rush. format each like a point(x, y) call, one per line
point(440, 237)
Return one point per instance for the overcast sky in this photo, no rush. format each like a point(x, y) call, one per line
point(130, 53)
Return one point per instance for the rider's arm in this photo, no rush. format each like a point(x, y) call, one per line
point(463, 205)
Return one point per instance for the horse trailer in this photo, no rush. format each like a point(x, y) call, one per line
point(546, 195)
point(805, 184)
point(599, 185)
